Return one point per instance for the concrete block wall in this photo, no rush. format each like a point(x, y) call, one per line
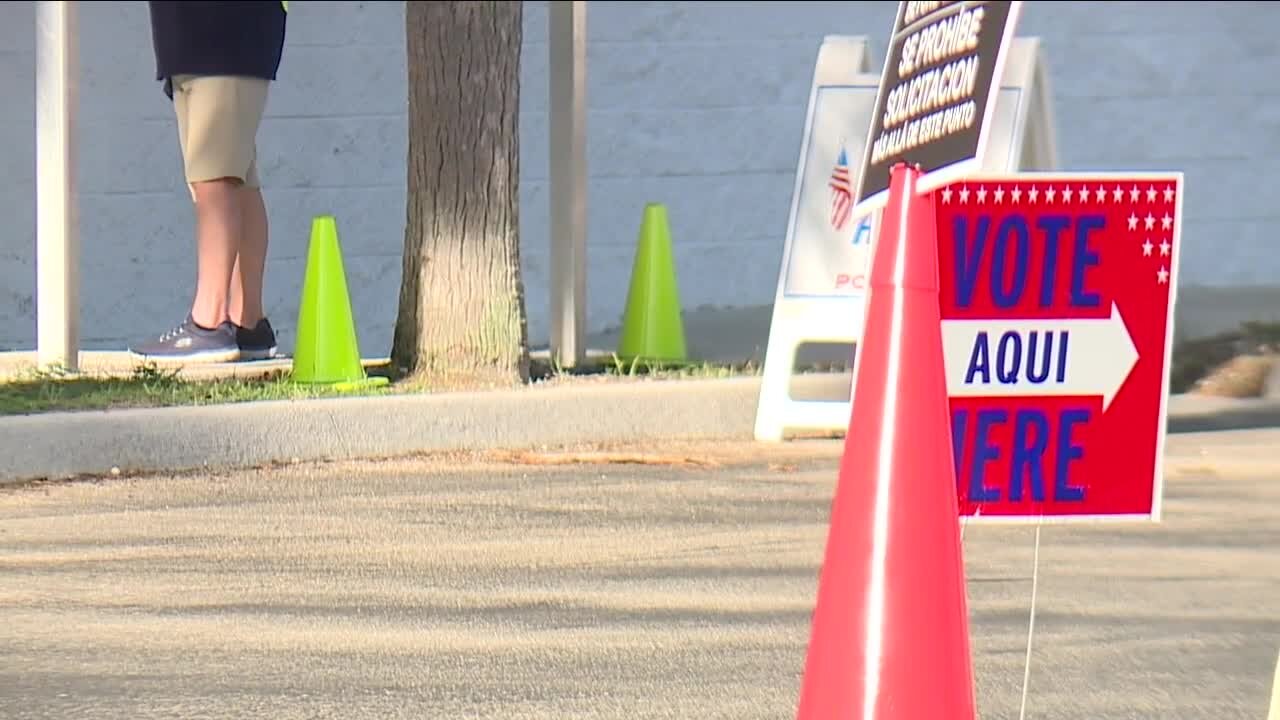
point(696, 104)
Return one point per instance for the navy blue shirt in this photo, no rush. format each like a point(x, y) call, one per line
point(244, 37)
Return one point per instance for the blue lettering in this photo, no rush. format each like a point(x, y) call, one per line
point(863, 233)
point(1011, 258)
point(1007, 297)
point(1007, 365)
point(1042, 374)
point(1028, 457)
point(1068, 451)
point(1033, 431)
point(984, 451)
point(1011, 362)
point(1051, 225)
point(959, 422)
point(979, 360)
point(968, 257)
point(1084, 257)
point(1062, 356)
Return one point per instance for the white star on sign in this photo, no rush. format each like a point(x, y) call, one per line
point(1133, 194)
point(964, 194)
point(1151, 194)
point(1101, 194)
point(1163, 276)
point(1016, 193)
point(1150, 220)
point(1117, 195)
point(982, 194)
point(1066, 194)
point(1146, 247)
point(1164, 247)
point(946, 195)
point(1133, 221)
point(1166, 222)
point(1168, 194)
point(1048, 194)
point(999, 194)
point(1034, 193)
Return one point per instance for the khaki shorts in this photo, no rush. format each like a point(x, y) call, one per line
point(218, 118)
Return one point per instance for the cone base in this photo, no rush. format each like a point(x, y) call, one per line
point(667, 361)
point(365, 384)
point(344, 385)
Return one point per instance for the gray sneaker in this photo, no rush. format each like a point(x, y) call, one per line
point(191, 343)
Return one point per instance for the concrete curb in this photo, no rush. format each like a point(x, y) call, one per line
point(58, 445)
point(1199, 413)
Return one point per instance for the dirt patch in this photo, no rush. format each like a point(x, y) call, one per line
point(605, 458)
point(1233, 364)
point(1244, 376)
point(785, 458)
point(678, 453)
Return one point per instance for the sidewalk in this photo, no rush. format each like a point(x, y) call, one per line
point(616, 410)
point(14, 365)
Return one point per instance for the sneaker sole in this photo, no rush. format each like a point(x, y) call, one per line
point(212, 356)
point(251, 355)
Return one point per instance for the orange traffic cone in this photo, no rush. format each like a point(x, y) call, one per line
point(890, 633)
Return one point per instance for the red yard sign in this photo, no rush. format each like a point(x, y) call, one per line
point(1057, 295)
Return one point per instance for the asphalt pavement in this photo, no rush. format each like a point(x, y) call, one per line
point(540, 587)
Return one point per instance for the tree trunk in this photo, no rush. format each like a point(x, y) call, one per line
point(461, 319)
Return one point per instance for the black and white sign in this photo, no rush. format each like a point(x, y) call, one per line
point(821, 291)
point(936, 92)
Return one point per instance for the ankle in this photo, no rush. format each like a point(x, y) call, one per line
point(247, 320)
point(207, 320)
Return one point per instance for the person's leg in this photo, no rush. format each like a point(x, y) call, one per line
point(218, 220)
point(253, 331)
point(245, 308)
point(217, 155)
point(256, 337)
point(224, 180)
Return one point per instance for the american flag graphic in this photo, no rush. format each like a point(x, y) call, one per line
point(841, 192)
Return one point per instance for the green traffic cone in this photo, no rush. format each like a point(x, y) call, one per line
point(327, 350)
point(652, 329)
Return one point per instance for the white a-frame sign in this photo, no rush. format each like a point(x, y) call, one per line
point(821, 286)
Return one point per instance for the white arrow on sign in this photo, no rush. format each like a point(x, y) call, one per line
point(1097, 360)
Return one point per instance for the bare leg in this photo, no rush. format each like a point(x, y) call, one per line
point(245, 306)
point(218, 232)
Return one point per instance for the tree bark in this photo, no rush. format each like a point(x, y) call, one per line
point(461, 318)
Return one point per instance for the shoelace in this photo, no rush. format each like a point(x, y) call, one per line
point(170, 334)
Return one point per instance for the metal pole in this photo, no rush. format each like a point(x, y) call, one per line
point(57, 231)
point(568, 169)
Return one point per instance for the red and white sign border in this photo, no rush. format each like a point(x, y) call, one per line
point(1157, 499)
